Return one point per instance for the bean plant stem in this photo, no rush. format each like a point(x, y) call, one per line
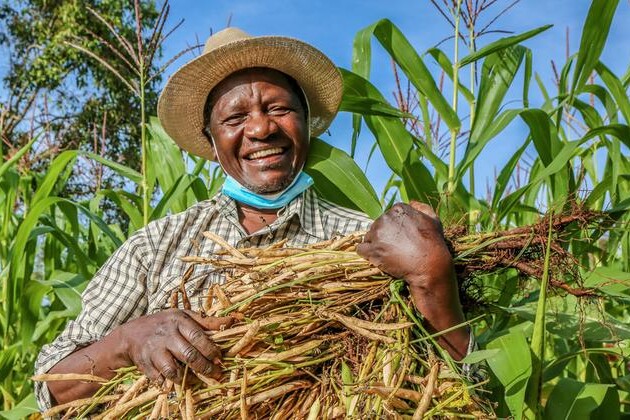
point(454, 131)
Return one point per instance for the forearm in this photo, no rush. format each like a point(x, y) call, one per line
point(101, 359)
point(438, 302)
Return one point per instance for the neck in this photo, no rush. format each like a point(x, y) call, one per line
point(253, 219)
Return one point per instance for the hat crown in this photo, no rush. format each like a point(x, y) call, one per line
point(223, 37)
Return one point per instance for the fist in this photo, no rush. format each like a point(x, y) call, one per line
point(407, 242)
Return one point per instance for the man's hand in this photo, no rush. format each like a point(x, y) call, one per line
point(157, 343)
point(407, 242)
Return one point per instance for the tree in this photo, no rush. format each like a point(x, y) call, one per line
point(52, 86)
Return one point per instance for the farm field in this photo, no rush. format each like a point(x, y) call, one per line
point(543, 254)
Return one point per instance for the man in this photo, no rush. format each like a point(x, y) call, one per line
point(251, 103)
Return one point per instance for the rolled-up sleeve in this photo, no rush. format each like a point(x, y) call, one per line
point(116, 294)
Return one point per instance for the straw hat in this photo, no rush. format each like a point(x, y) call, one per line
point(180, 107)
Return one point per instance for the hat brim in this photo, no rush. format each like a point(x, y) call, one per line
point(181, 104)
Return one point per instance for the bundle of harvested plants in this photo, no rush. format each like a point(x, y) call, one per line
point(321, 333)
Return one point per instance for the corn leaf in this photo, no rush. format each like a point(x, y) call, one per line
point(167, 164)
point(447, 67)
point(512, 367)
point(594, 35)
point(616, 89)
point(396, 144)
point(17, 156)
point(571, 399)
point(339, 179)
point(498, 72)
point(501, 44)
point(370, 106)
point(406, 57)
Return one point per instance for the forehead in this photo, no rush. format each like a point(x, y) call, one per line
point(249, 76)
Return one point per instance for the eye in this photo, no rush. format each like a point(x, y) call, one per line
point(233, 120)
point(279, 110)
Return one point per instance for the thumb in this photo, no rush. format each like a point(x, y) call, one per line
point(210, 322)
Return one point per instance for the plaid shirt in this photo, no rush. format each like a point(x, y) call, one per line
point(141, 275)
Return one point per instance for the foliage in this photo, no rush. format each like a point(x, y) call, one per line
point(579, 136)
point(50, 86)
point(572, 132)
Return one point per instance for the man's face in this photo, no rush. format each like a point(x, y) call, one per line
point(259, 129)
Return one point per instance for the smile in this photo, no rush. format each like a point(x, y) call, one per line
point(264, 153)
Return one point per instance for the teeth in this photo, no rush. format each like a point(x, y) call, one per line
point(264, 153)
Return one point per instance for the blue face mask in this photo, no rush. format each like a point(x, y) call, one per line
point(232, 188)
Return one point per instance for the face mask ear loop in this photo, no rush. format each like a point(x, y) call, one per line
point(216, 155)
point(308, 124)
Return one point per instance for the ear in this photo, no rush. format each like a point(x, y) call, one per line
point(206, 132)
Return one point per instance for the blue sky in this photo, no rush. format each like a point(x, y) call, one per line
point(332, 25)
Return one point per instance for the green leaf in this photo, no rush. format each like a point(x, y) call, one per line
point(370, 106)
point(17, 156)
point(396, 144)
point(338, 178)
point(539, 125)
point(616, 88)
point(527, 78)
point(176, 191)
point(560, 160)
point(566, 323)
point(474, 148)
point(17, 281)
point(573, 400)
point(68, 288)
point(56, 175)
point(512, 367)
point(594, 34)
point(479, 356)
point(445, 64)
point(167, 163)
point(497, 74)
point(501, 44)
point(610, 281)
point(130, 203)
point(538, 334)
point(22, 410)
point(122, 170)
point(406, 57)
point(503, 180)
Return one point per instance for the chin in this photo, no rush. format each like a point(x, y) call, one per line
point(272, 186)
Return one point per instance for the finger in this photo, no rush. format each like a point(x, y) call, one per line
point(147, 368)
point(198, 338)
point(167, 366)
point(186, 352)
point(210, 322)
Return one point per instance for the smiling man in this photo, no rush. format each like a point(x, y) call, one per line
point(251, 104)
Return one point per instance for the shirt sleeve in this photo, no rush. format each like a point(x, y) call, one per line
point(116, 294)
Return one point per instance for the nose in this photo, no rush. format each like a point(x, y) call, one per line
point(260, 126)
